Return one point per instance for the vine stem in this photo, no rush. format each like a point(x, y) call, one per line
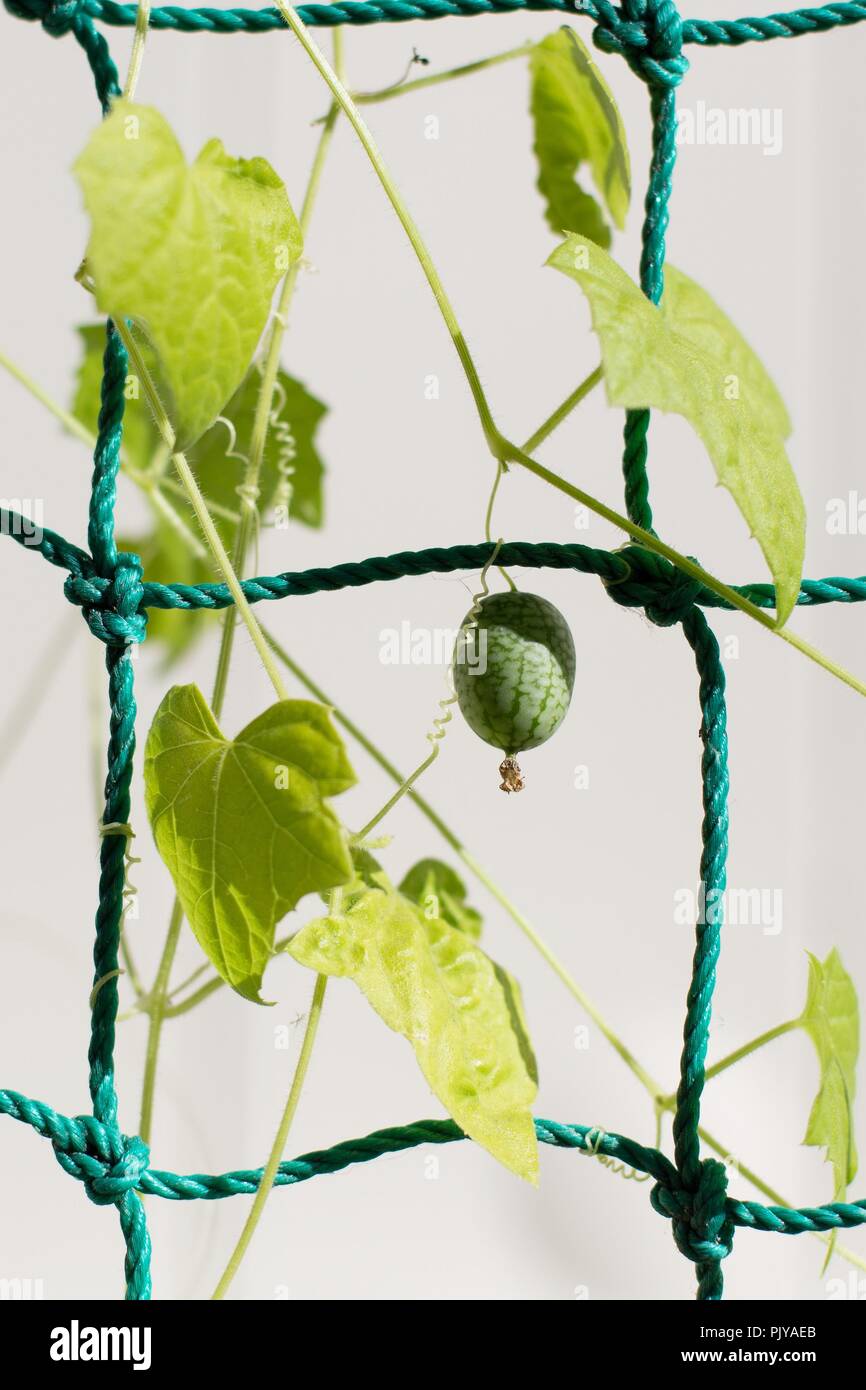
point(265, 1187)
point(745, 1051)
point(136, 57)
point(199, 506)
point(399, 89)
point(480, 873)
point(248, 521)
point(778, 1200)
point(564, 410)
point(265, 398)
point(502, 448)
point(474, 866)
point(344, 101)
point(157, 1003)
point(157, 1009)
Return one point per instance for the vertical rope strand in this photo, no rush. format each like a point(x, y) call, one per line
point(707, 1180)
point(656, 220)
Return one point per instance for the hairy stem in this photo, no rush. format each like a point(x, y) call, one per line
point(136, 57)
point(745, 1051)
point(563, 411)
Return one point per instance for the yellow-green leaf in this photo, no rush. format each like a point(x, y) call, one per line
point(441, 892)
point(831, 1018)
point(430, 983)
point(691, 361)
point(696, 316)
point(167, 555)
point(242, 824)
point(577, 122)
point(191, 253)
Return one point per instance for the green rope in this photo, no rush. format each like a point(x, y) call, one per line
point(707, 32)
point(108, 586)
point(636, 578)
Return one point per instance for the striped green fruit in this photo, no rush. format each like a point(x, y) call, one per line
point(515, 675)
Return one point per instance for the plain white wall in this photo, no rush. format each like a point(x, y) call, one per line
point(777, 241)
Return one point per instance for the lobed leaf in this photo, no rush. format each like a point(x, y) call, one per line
point(191, 253)
point(243, 824)
point(831, 1018)
point(689, 359)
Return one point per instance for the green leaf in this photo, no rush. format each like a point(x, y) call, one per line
point(243, 825)
point(192, 254)
point(689, 359)
point(831, 1018)
point(696, 316)
point(577, 122)
point(298, 414)
point(428, 982)
point(440, 892)
point(166, 557)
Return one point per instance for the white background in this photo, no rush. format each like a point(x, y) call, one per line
point(777, 241)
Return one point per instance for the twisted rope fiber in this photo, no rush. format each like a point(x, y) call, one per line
point(635, 577)
point(92, 1153)
point(108, 586)
point(204, 20)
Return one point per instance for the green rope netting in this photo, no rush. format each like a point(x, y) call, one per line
point(108, 587)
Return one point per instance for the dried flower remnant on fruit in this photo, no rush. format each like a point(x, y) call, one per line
point(512, 777)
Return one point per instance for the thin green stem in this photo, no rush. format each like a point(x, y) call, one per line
point(278, 1148)
point(775, 1197)
point(541, 434)
point(563, 411)
point(265, 399)
point(152, 482)
point(157, 1010)
point(68, 421)
point(512, 454)
point(346, 104)
point(403, 88)
point(157, 1003)
point(745, 1051)
point(502, 448)
point(36, 687)
point(199, 506)
point(136, 57)
point(488, 521)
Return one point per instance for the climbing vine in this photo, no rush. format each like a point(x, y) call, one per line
point(193, 264)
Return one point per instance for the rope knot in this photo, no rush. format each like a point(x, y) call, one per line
point(648, 34)
point(702, 1229)
point(108, 1163)
point(654, 584)
point(112, 607)
point(60, 17)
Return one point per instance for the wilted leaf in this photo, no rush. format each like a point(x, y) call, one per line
point(430, 983)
